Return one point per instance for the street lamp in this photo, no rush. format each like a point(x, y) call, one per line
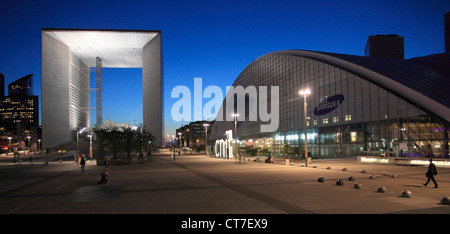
point(305, 93)
point(39, 145)
point(206, 140)
point(90, 146)
point(9, 146)
point(28, 137)
point(235, 115)
point(179, 136)
point(78, 145)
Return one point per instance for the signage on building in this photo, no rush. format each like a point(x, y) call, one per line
point(223, 147)
point(329, 104)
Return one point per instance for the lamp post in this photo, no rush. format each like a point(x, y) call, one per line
point(28, 139)
point(179, 136)
point(304, 93)
point(90, 146)
point(79, 132)
point(235, 115)
point(206, 140)
point(9, 146)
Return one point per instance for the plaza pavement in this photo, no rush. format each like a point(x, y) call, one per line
point(196, 184)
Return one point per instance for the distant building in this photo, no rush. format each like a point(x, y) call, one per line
point(19, 112)
point(194, 134)
point(21, 87)
point(385, 46)
point(2, 85)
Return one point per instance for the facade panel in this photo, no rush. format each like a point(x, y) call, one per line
point(55, 92)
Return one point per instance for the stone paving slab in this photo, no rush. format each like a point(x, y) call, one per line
point(196, 184)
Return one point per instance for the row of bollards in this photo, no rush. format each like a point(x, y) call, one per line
point(381, 189)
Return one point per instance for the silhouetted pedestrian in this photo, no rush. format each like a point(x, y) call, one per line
point(82, 162)
point(431, 173)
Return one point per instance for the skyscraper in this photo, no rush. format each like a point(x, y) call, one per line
point(19, 111)
point(2, 85)
point(21, 87)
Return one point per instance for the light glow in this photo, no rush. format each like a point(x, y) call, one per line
point(305, 92)
point(374, 160)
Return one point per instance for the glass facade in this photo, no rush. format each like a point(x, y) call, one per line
point(348, 114)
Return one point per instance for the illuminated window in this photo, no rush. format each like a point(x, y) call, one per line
point(353, 134)
point(348, 117)
point(315, 122)
point(325, 121)
point(335, 119)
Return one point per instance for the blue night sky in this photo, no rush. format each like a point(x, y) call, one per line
point(214, 39)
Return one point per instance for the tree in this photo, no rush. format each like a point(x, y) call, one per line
point(129, 140)
point(113, 138)
point(143, 139)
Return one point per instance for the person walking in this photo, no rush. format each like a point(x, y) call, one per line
point(431, 173)
point(82, 162)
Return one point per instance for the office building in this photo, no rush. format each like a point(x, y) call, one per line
point(21, 87)
point(67, 57)
point(19, 112)
point(194, 134)
point(2, 85)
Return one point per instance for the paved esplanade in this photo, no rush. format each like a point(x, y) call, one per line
point(199, 184)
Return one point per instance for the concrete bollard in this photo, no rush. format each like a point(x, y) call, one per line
point(321, 180)
point(445, 200)
point(406, 193)
point(328, 167)
point(339, 182)
point(314, 166)
point(393, 176)
point(381, 189)
point(363, 170)
point(351, 178)
point(344, 169)
point(372, 177)
point(357, 186)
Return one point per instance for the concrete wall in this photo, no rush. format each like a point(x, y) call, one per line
point(152, 85)
point(55, 92)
